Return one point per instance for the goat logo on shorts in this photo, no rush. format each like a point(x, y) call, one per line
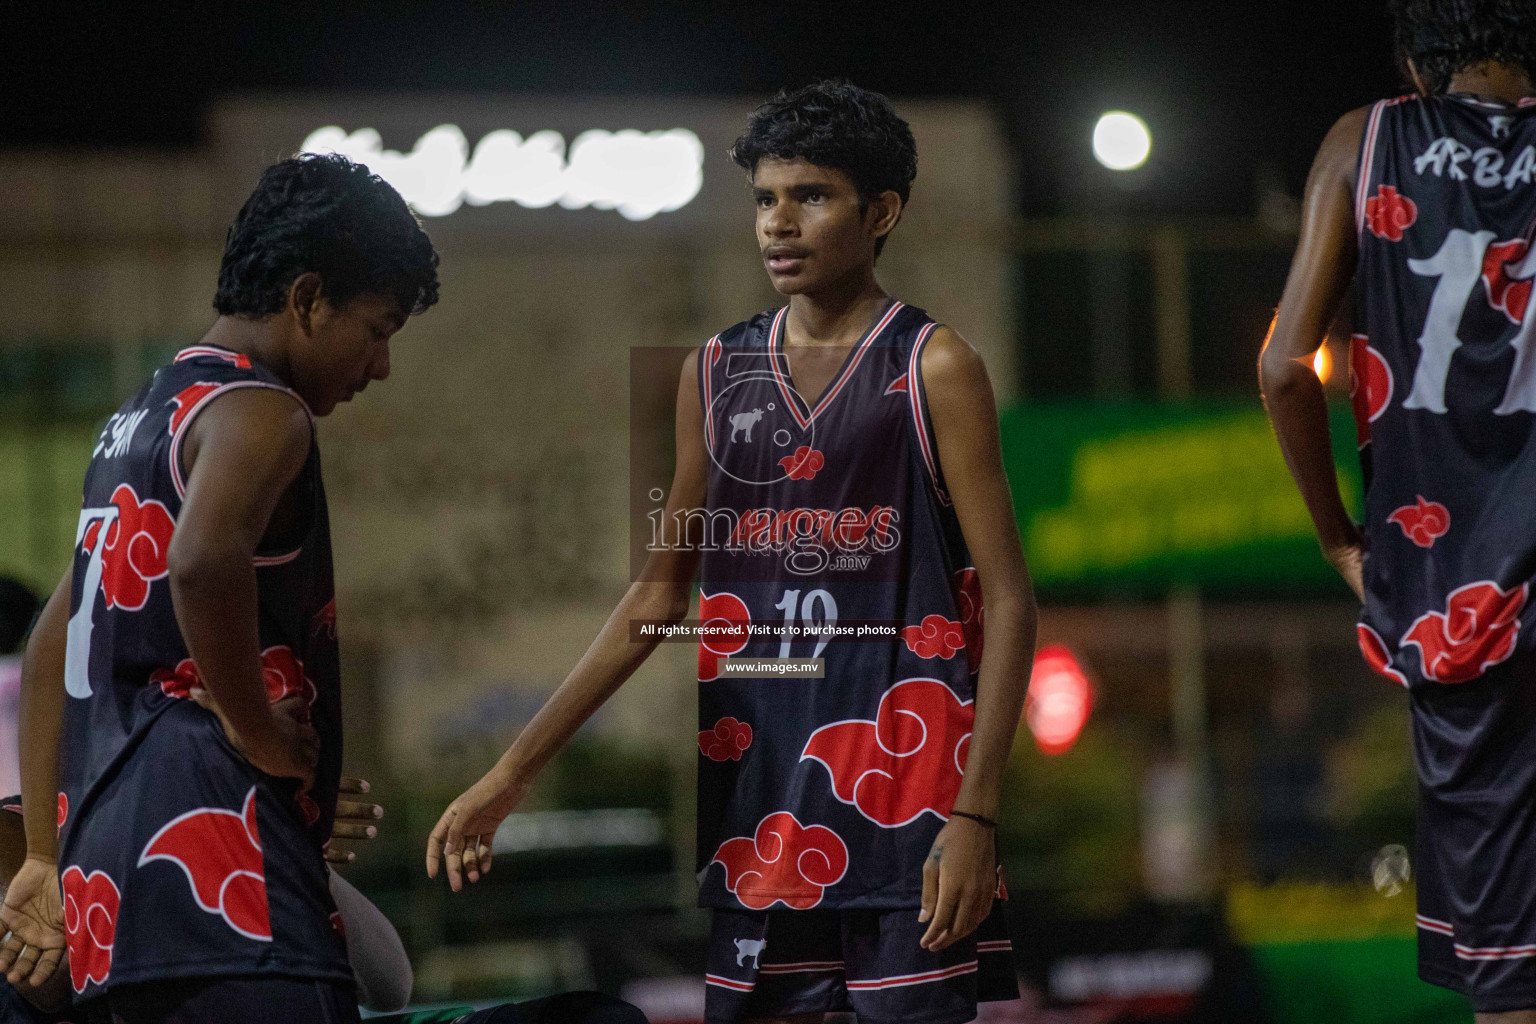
point(749, 949)
point(219, 850)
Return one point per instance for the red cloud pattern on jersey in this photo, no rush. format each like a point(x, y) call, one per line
point(936, 637)
point(135, 547)
point(1374, 648)
point(324, 621)
point(966, 585)
point(726, 741)
point(185, 399)
point(63, 810)
point(804, 463)
point(729, 613)
point(220, 852)
point(1370, 386)
point(1389, 213)
point(90, 924)
point(784, 861)
point(1505, 294)
point(282, 673)
point(907, 761)
point(1423, 522)
point(1477, 631)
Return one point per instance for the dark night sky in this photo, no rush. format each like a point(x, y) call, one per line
point(1226, 87)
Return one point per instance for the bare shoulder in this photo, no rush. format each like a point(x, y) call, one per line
point(252, 420)
point(952, 363)
point(1340, 148)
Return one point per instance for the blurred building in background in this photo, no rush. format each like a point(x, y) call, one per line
point(482, 512)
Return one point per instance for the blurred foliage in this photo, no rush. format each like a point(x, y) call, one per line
point(1316, 911)
point(593, 773)
point(1069, 824)
point(1373, 788)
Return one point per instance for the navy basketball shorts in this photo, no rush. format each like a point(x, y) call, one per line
point(1475, 747)
point(243, 1000)
point(777, 962)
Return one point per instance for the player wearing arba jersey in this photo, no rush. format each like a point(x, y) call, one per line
point(1429, 202)
point(180, 692)
point(843, 452)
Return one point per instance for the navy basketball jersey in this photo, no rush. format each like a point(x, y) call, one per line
point(1443, 377)
point(828, 514)
point(178, 857)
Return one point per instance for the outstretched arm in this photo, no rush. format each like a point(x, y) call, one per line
point(1320, 273)
point(243, 451)
point(663, 593)
point(960, 875)
point(33, 911)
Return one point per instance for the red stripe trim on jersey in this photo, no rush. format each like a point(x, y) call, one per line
point(915, 398)
point(730, 983)
point(186, 421)
point(903, 980)
point(234, 358)
point(262, 561)
point(809, 967)
point(790, 396)
point(1367, 163)
point(775, 355)
point(710, 354)
point(995, 946)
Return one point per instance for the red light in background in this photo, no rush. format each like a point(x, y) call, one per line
point(1059, 700)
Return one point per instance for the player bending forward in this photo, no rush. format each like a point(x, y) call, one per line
point(189, 839)
point(845, 447)
point(1428, 202)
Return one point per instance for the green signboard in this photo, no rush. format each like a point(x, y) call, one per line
point(1141, 496)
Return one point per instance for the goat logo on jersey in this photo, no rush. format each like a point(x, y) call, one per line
point(935, 637)
point(784, 861)
point(906, 762)
point(726, 741)
point(1423, 522)
point(727, 616)
point(1507, 295)
point(1477, 631)
point(1374, 648)
point(90, 924)
point(219, 850)
point(1389, 213)
point(133, 549)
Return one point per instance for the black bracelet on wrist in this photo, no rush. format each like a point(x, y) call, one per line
point(980, 819)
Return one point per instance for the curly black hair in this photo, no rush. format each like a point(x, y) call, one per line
point(835, 124)
point(1443, 37)
point(326, 214)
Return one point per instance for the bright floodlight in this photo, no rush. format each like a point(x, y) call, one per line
point(1121, 141)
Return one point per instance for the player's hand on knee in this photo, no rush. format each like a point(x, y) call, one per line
point(355, 819)
point(33, 916)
